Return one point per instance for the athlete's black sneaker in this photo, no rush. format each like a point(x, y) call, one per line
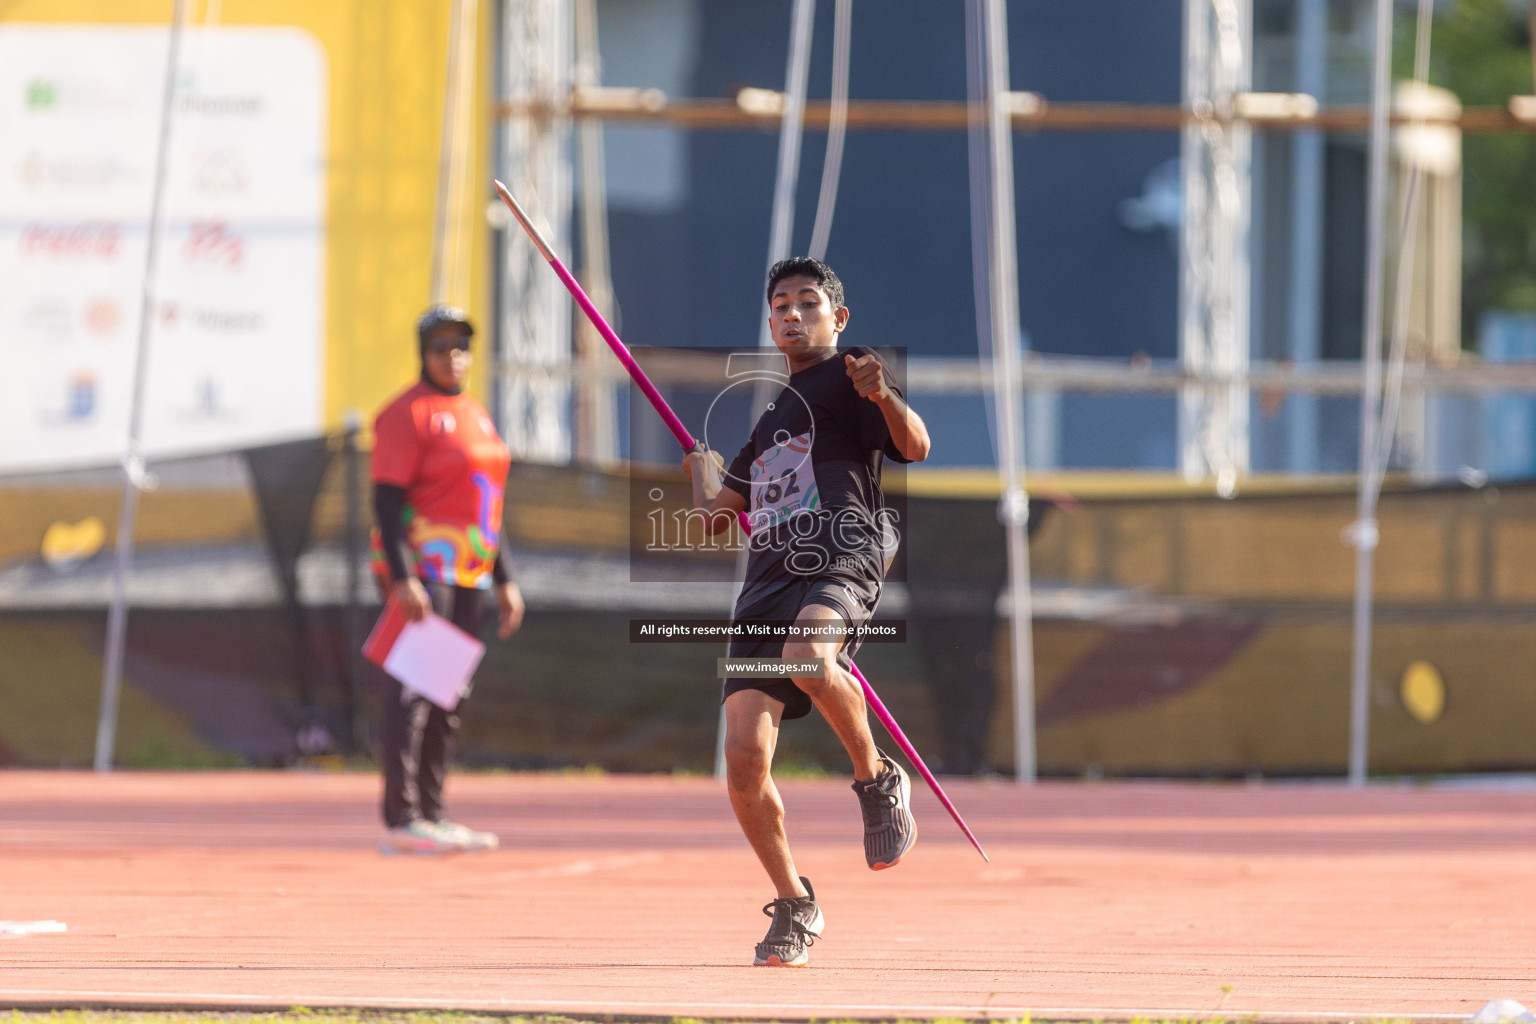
point(797, 923)
point(889, 829)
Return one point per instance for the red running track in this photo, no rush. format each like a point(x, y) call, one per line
point(637, 896)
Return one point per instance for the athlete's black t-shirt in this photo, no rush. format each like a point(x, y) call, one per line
point(810, 474)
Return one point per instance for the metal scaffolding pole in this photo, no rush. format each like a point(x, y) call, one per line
point(993, 238)
point(1273, 112)
point(1214, 259)
point(1304, 313)
point(535, 328)
point(1043, 372)
point(597, 440)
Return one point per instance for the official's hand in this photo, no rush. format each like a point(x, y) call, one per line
point(412, 598)
point(699, 460)
point(868, 377)
point(509, 609)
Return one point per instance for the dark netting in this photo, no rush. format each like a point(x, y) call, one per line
point(1175, 634)
point(236, 647)
point(286, 479)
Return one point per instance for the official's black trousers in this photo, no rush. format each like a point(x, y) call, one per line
point(416, 736)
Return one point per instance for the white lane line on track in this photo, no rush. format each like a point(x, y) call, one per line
point(19, 929)
point(777, 1009)
point(576, 867)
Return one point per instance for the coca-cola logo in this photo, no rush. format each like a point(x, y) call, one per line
point(98, 240)
point(211, 242)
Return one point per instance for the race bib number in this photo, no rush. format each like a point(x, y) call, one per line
point(783, 482)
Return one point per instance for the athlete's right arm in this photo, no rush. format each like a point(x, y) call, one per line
point(705, 470)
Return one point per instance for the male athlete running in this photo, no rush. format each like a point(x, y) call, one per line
point(809, 479)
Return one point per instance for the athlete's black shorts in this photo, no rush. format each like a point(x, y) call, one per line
point(852, 597)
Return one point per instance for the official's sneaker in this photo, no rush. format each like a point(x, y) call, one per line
point(797, 924)
point(417, 837)
point(466, 838)
point(889, 828)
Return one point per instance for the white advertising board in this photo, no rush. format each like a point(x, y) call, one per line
point(237, 326)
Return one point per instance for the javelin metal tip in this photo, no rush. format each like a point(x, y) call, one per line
point(534, 234)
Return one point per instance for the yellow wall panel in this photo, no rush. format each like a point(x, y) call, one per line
point(1281, 705)
point(1468, 548)
point(1514, 561)
point(1411, 562)
point(1270, 553)
point(1144, 551)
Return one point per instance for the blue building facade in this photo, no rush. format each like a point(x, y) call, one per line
point(1097, 212)
point(689, 212)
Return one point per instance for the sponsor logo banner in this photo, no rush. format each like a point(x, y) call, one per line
point(236, 334)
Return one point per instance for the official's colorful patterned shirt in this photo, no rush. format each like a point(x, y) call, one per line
point(445, 452)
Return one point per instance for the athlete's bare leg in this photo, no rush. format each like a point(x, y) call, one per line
point(751, 733)
point(836, 694)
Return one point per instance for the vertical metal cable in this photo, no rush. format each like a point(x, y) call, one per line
point(981, 197)
point(837, 129)
point(445, 149)
point(1376, 437)
point(1408, 215)
point(791, 132)
point(1363, 533)
point(134, 476)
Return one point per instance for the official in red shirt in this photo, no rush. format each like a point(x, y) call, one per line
point(439, 470)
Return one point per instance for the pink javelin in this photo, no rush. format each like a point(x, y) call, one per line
point(690, 444)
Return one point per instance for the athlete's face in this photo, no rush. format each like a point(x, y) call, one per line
point(447, 357)
point(802, 321)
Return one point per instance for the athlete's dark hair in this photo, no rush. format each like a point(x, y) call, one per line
point(795, 266)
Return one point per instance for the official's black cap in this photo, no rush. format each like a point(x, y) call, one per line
point(439, 316)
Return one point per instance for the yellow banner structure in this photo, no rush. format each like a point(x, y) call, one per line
point(380, 100)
